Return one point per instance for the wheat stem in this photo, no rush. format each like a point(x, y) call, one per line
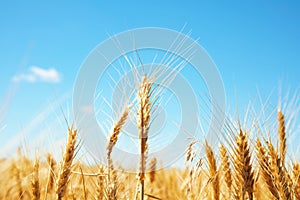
point(143, 121)
point(66, 164)
point(213, 171)
point(244, 175)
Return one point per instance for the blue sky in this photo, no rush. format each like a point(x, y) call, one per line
point(254, 45)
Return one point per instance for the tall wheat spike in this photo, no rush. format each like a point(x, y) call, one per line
point(282, 136)
point(244, 177)
point(213, 172)
point(66, 164)
point(143, 121)
point(283, 149)
point(35, 187)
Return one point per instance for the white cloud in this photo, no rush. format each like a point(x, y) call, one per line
point(36, 74)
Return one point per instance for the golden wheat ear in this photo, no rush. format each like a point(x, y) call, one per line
point(66, 164)
point(114, 136)
point(225, 165)
point(244, 177)
point(282, 136)
point(278, 172)
point(213, 172)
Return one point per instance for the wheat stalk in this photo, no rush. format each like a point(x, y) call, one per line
point(265, 169)
point(143, 121)
point(114, 137)
point(244, 175)
point(66, 164)
point(282, 136)
point(214, 176)
point(278, 173)
point(109, 147)
point(226, 168)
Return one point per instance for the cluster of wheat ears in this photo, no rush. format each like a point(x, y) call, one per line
point(242, 169)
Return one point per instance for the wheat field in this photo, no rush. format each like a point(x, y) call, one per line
point(243, 167)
